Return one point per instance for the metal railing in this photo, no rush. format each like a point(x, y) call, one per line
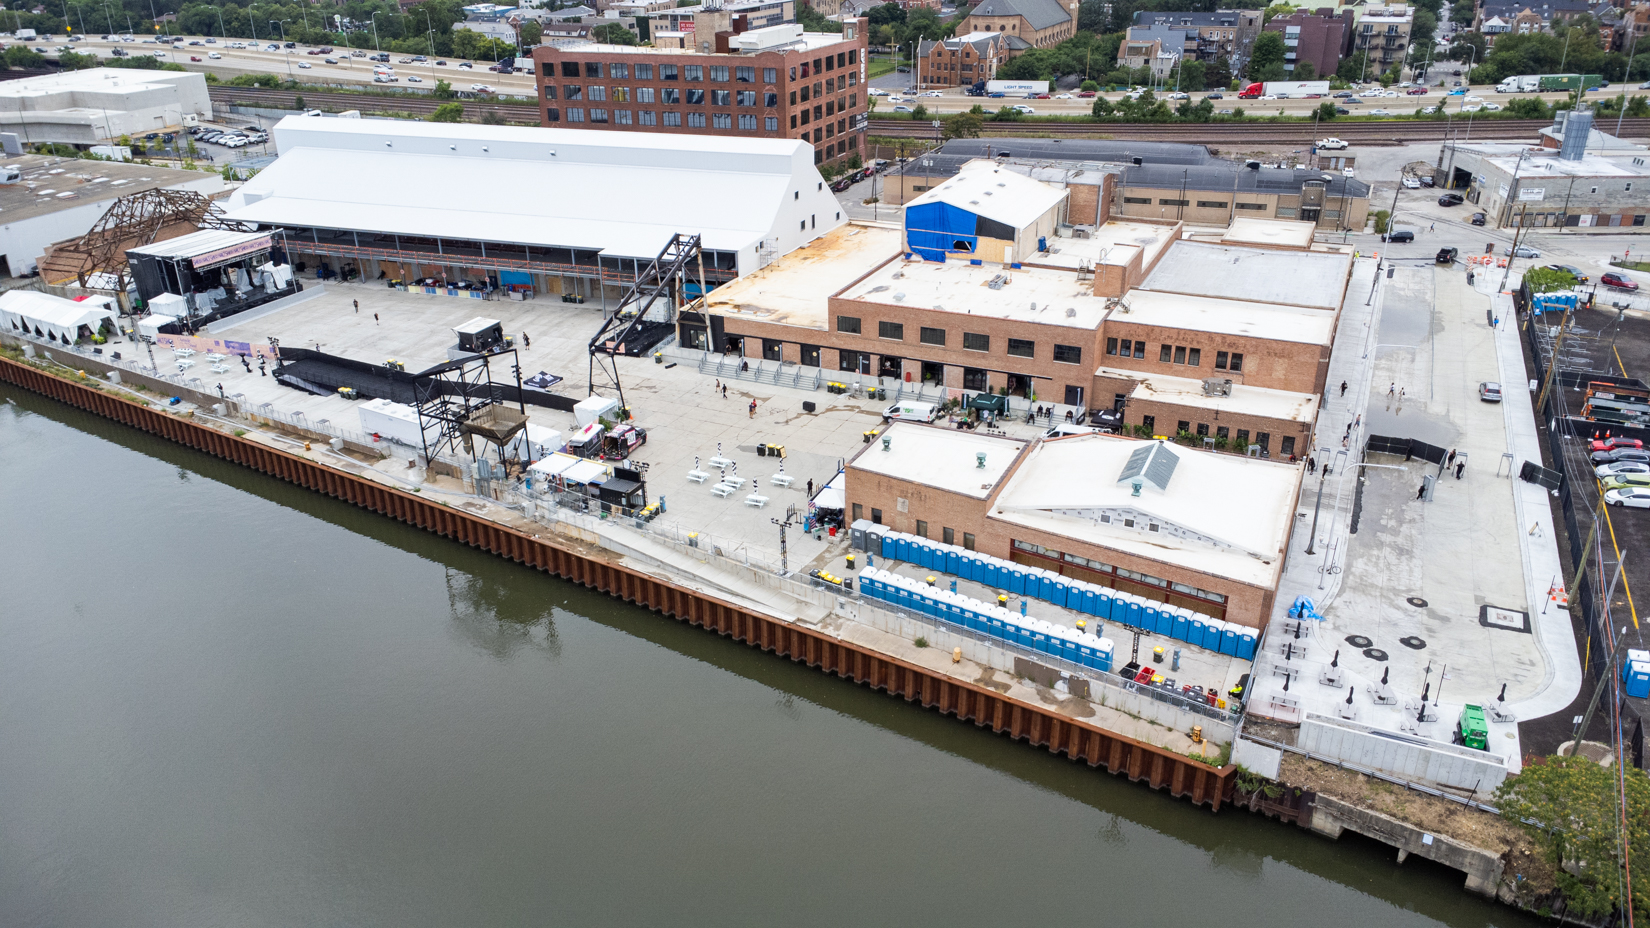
point(778, 373)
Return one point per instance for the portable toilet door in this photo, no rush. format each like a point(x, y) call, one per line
point(1638, 679)
point(888, 548)
point(929, 554)
point(1246, 643)
point(1062, 592)
point(1134, 612)
point(1103, 655)
point(1150, 609)
point(1211, 634)
point(1105, 598)
point(1182, 627)
point(1228, 639)
point(1085, 651)
point(1166, 617)
point(1014, 578)
point(993, 624)
point(953, 562)
point(1198, 630)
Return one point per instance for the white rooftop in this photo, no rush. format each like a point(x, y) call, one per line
point(984, 188)
point(939, 457)
point(1264, 275)
point(1228, 317)
point(623, 193)
point(202, 242)
point(1244, 399)
point(1030, 294)
point(1221, 514)
point(124, 81)
point(795, 289)
point(1113, 244)
point(1548, 164)
point(1284, 233)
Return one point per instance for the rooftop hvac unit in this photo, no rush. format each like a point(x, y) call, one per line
point(1217, 386)
point(996, 283)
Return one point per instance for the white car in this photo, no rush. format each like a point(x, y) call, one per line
point(1348, 172)
point(303, 65)
point(1411, 183)
point(411, 78)
point(1333, 142)
point(1475, 99)
point(931, 93)
point(1380, 112)
point(481, 88)
point(1429, 110)
point(1180, 96)
point(1619, 468)
point(902, 109)
point(1026, 109)
point(1637, 497)
point(213, 55)
point(1491, 107)
point(1064, 96)
point(1471, 108)
point(877, 92)
point(1270, 96)
point(896, 99)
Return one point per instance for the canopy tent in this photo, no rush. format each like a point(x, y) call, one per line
point(52, 317)
point(833, 495)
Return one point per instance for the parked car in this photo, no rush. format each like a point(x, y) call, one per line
point(1447, 255)
point(1636, 455)
point(1618, 281)
point(1400, 235)
point(1570, 269)
point(1522, 251)
point(1426, 180)
point(1624, 481)
point(1333, 142)
point(1451, 199)
point(1637, 497)
point(1411, 183)
point(1625, 467)
point(1614, 444)
point(1489, 392)
point(1479, 219)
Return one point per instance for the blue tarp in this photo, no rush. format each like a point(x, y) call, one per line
point(932, 229)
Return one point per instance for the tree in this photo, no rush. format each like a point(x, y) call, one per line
point(1192, 75)
point(1326, 111)
point(962, 126)
point(1007, 114)
point(812, 20)
point(1306, 71)
point(21, 56)
point(1091, 16)
point(443, 90)
point(1276, 9)
point(1576, 807)
point(1528, 108)
point(530, 33)
point(448, 112)
point(1423, 28)
point(1351, 68)
point(919, 112)
point(1462, 12)
point(1266, 57)
point(615, 34)
point(1089, 87)
point(1102, 108)
point(1218, 74)
point(888, 13)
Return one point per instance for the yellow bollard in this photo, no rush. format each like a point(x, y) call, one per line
point(956, 655)
point(1197, 734)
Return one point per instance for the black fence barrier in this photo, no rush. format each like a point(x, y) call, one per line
point(1410, 448)
point(1534, 473)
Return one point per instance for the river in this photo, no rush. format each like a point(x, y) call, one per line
point(228, 701)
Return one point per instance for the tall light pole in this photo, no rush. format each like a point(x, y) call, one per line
point(221, 33)
point(374, 19)
point(1627, 76)
point(281, 24)
point(431, 31)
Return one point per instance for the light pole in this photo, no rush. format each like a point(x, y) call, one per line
point(431, 31)
point(221, 33)
point(1627, 76)
point(281, 24)
point(374, 19)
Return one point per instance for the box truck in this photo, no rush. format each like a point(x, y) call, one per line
point(1521, 83)
point(1286, 90)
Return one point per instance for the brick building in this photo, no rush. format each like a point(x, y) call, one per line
point(1322, 37)
point(961, 61)
point(1228, 34)
point(778, 82)
point(1026, 23)
point(1196, 529)
point(1381, 37)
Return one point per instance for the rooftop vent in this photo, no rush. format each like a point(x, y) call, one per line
point(979, 459)
point(1217, 386)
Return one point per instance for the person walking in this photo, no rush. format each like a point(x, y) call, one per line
point(1451, 459)
point(1311, 464)
point(810, 488)
point(753, 409)
point(1392, 390)
point(357, 305)
point(1421, 493)
point(724, 391)
point(374, 318)
point(1460, 467)
point(1359, 421)
point(1343, 388)
point(718, 387)
point(526, 341)
point(1400, 394)
point(1433, 227)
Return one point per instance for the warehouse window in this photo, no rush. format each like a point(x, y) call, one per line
point(619, 72)
point(592, 69)
point(598, 115)
point(745, 75)
point(644, 72)
point(932, 336)
point(1168, 201)
point(859, 511)
point(1068, 354)
point(696, 120)
point(974, 379)
point(1212, 204)
point(695, 97)
point(647, 118)
point(1285, 212)
point(876, 516)
point(667, 72)
point(770, 99)
point(968, 540)
point(620, 95)
point(746, 98)
point(573, 91)
point(1165, 354)
point(549, 91)
point(922, 528)
point(575, 114)
point(770, 75)
point(552, 115)
point(720, 97)
point(693, 72)
point(771, 123)
point(644, 95)
point(719, 72)
point(848, 324)
point(747, 123)
point(1225, 361)
point(598, 92)
point(948, 536)
point(1111, 346)
point(1022, 348)
point(569, 69)
point(1142, 201)
point(1254, 206)
point(721, 121)
point(893, 330)
point(673, 118)
point(621, 117)
point(974, 341)
point(670, 96)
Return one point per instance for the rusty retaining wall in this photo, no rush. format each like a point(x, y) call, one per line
point(1144, 763)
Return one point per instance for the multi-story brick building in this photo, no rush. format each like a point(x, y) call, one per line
point(1321, 38)
point(1026, 23)
point(1382, 37)
point(1228, 34)
point(778, 82)
point(961, 61)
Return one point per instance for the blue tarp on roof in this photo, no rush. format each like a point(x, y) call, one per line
point(932, 229)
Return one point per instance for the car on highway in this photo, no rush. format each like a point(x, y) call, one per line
point(1333, 142)
point(1180, 96)
point(313, 51)
point(1029, 111)
point(1635, 455)
point(1428, 111)
point(305, 65)
point(1343, 95)
point(876, 92)
point(466, 64)
point(1451, 199)
point(213, 55)
point(997, 95)
point(1637, 497)
point(414, 79)
point(1379, 112)
point(1489, 392)
point(1475, 99)
point(1417, 92)
point(1618, 281)
point(1086, 94)
point(1471, 108)
point(902, 109)
point(1479, 219)
point(1215, 96)
point(1458, 92)
point(930, 93)
point(1399, 235)
point(1492, 107)
point(1522, 251)
point(1342, 111)
point(1625, 467)
point(1570, 269)
point(1447, 255)
point(194, 57)
point(332, 61)
point(1064, 96)
point(1614, 443)
point(1410, 183)
point(441, 63)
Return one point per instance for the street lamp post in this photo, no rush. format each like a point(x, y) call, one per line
point(221, 33)
point(281, 24)
point(374, 19)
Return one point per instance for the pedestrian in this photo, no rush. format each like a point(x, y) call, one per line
point(753, 409)
point(1421, 493)
point(1358, 422)
point(1345, 439)
point(1343, 388)
point(724, 391)
point(1326, 471)
point(357, 305)
point(1400, 394)
point(1459, 468)
point(1451, 460)
point(810, 488)
point(1393, 389)
point(1433, 227)
point(374, 318)
point(1497, 323)
point(1311, 464)
point(718, 387)
point(528, 342)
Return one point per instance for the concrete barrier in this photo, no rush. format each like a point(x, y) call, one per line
point(1408, 756)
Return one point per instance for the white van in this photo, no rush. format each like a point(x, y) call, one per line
point(912, 411)
point(1062, 429)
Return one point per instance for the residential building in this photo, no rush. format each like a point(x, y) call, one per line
point(961, 61)
point(1381, 38)
point(498, 29)
point(1228, 34)
point(704, 21)
point(1321, 38)
point(773, 83)
point(1027, 23)
point(1157, 47)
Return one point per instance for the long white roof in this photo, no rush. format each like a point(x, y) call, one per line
point(618, 192)
point(985, 188)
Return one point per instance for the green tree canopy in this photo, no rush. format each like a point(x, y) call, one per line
point(530, 32)
point(1266, 57)
point(448, 112)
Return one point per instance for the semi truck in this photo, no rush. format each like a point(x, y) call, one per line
point(1533, 83)
point(1016, 88)
point(1286, 90)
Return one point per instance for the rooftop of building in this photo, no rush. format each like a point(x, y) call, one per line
point(1114, 244)
point(1545, 162)
point(1029, 294)
point(1279, 233)
point(1235, 177)
point(794, 290)
point(1214, 18)
point(984, 188)
point(943, 458)
point(1041, 14)
point(100, 80)
point(1314, 279)
point(1225, 316)
point(1598, 143)
point(1243, 399)
point(1050, 153)
point(615, 191)
point(1221, 514)
point(51, 184)
point(807, 42)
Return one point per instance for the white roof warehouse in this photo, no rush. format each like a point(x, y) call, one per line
point(532, 203)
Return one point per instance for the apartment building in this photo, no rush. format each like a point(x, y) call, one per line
point(778, 82)
point(1228, 34)
point(1382, 38)
point(1321, 38)
point(961, 61)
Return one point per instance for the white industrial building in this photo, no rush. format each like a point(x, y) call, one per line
point(554, 210)
point(98, 104)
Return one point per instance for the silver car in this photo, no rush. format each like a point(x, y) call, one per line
point(1619, 468)
point(1489, 392)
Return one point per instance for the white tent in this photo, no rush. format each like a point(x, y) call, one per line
point(47, 316)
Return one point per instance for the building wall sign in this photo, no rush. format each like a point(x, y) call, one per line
point(1532, 193)
point(213, 258)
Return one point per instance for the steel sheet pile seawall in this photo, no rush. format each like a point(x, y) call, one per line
point(1140, 762)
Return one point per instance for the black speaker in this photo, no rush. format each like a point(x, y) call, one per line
point(808, 406)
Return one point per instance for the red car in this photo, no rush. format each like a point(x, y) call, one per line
point(194, 57)
point(1618, 281)
point(1416, 91)
point(1614, 444)
point(1086, 94)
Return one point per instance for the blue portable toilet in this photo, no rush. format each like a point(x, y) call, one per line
point(889, 548)
point(994, 625)
point(1088, 599)
point(1103, 655)
point(935, 554)
point(1132, 617)
point(1182, 626)
point(1165, 619)
point(1104, 599)
point(1044, 590)
point(1150, 610)
point(1638, 679)
point(953, 562)
point(1062, 592)
point(1246, 643)
point(919, 552)
point(987, 573)
point(1085, 651)
point(1014, 578)
point(1195, 630)
point(1228, 638)
point(965, 565)
point(1211, 634)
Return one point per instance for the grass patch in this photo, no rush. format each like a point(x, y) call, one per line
point(921, 642)
point(878, 66)
point(1630, 265)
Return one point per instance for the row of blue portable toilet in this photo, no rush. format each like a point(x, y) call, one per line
point(1101, 602)
point(1635, 673)
point(1085, 647)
